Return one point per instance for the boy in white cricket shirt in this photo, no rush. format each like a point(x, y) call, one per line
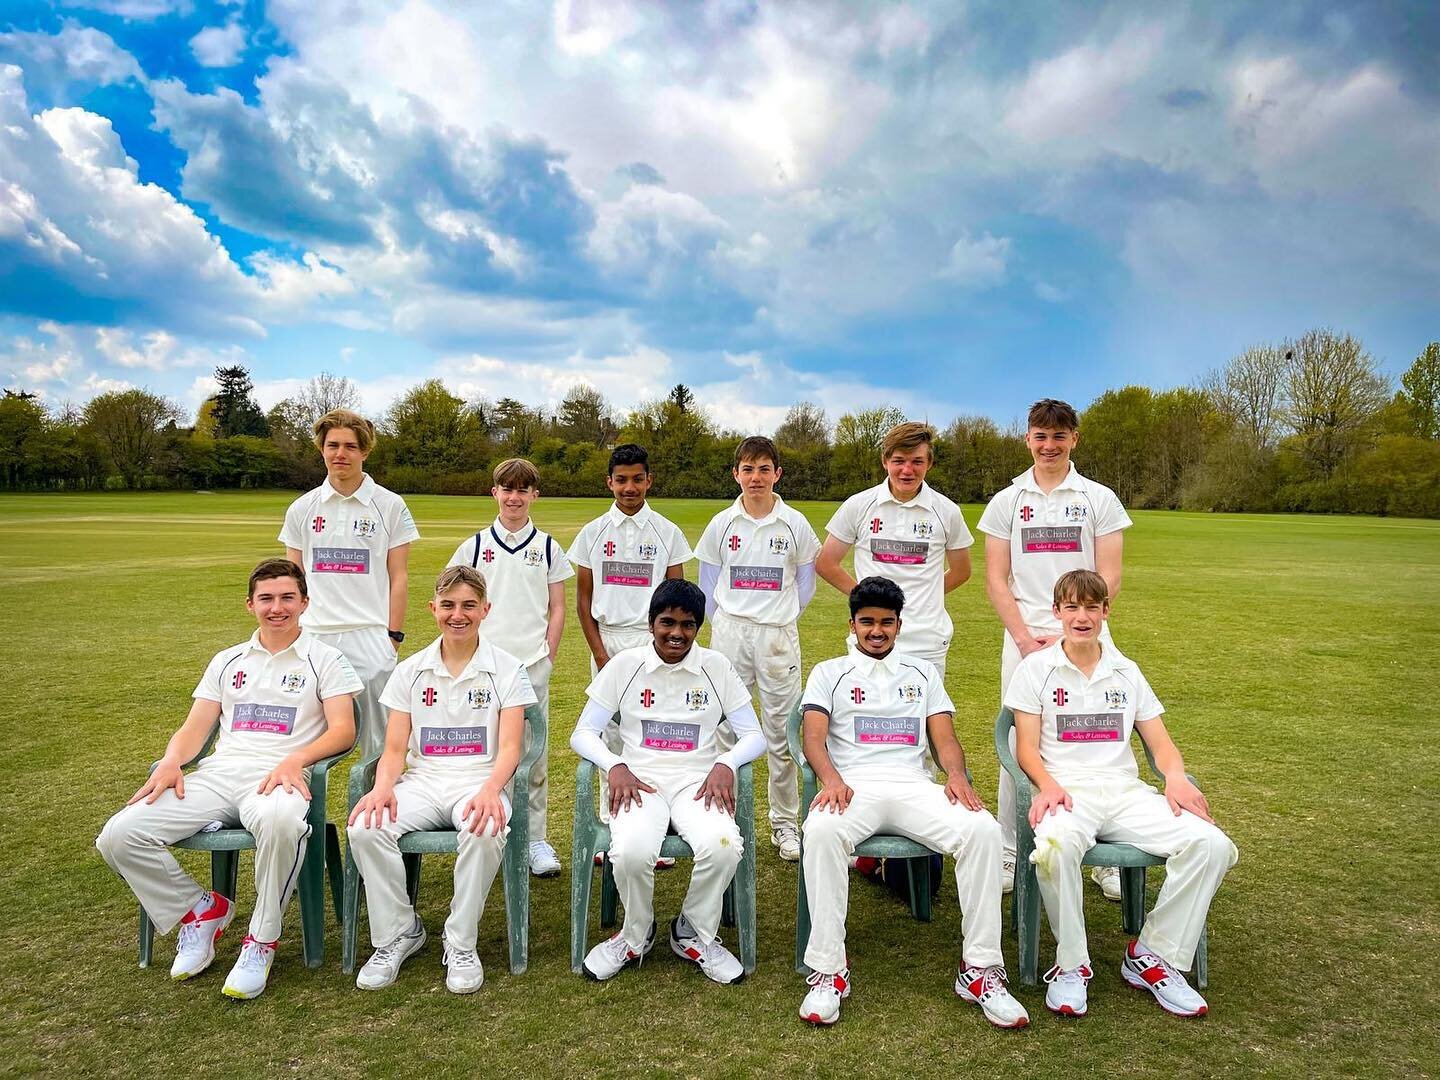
point(1076, 703)
point(524, 571)
point(1049, 520)
point(867, 716)
point(671, 696)
point(907, 531)
point(353, 538)
point(283, 701)
point(757, 570)
point(457, 726)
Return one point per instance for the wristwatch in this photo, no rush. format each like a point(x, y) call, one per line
point(396, 636)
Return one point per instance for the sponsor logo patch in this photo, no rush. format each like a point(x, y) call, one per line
point(887, 730)
point(263, 719)
point(609, 549)
point(453, 741)
point(318, 524)
point(333, 560)
point(292, 683)
point(239, 680)
point(631, 574)
point(647, 698)
point(904, 552)
point(857, 696)
point(757, 578)
point(1089, 727)
point(488, 555)
point(733, 543)
point(1026, 513)
point(670, 736)
point(429, 696)
point(1050, 539)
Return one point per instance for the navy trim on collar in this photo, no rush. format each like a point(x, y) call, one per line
point(517, 547)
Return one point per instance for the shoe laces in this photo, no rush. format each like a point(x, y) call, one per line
point(992, 981)
point(541, 847)
point(827, 980)
point(1079, 975)
point(620, 949)
point(461, 958)
point(1156, 960)
point(254, 955)
point(191, 934)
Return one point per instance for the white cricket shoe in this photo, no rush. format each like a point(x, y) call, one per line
point(195, 944)
point(717, 962)
point(1066, 993)
point(607, 959)
point(787, 838)
point(1108, 878)
point(383, 967)
point(247, 978)
point(543, 860)
point(1007, 872)
point(464, 974)
point(985, 986)
point(822, 1003)
point(1143, 969)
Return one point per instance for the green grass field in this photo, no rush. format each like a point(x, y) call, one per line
point(1296, 656)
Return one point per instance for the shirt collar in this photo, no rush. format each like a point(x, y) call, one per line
point(1111, 660)
point(774, 510)
point(618, 517)
point(300, 646)
point(1073, 481)
point(365, 493)
point(870, 666)
point(924, 497)
point(483, 660)
point(691, 663)
point(498, 530)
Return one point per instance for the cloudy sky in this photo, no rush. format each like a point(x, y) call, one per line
point(951, 206)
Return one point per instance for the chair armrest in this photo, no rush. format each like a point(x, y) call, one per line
point(585, 774)
point(1004, 725)
point(203, 752)
point(362, 779)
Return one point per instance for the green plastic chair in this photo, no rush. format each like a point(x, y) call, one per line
point(514, 867)
point(880, 846)
point(592, 838)
point(1025, 897)
point(322, 857)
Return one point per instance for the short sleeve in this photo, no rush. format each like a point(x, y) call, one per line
point(581, 545)
point(1110, 516)
point(1147, 705)
point(817, 693)
point(292, 535)
point(604, 689)
point(995, 520)
point(677, 547)
point(842, 522)
point(396, 694)
point(464, 554)
point(208, 688)
point(936, 698)
point(1023, 694)
point(708, 550)
point(806, 542)
point(560, 568)
point(402, 525)
point(518, 690)
point(957, 533)
point(337, 676)
point(733, 694)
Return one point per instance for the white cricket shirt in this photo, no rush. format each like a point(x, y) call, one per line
point(518, 568)
point(344, 540)
point(628, 556)
point(906, 542)
point(669, 712)
point(455, 720)
point(758, 560)
point(877, 711)
point(1050, 535)
point(272, 705)
point(1085, 724)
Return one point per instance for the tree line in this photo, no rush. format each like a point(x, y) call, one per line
point(1309, 424)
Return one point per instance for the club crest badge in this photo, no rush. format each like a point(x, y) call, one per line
point(534, 556)
point(1076, 512)
point(478, 697)
point(292, 683)
point(779, 545)
point(364, 527)
point(697, 699)
point(911, 692)
point(923, 529)
point(1116, 699)
point(649, 551)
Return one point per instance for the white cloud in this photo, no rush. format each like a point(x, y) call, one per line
point(75, 54)
point(977, 261)
point(143, 10)
point(219, 46)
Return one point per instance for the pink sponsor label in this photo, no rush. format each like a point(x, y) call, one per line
point(888, 730)
point(907, 552)
point(1089, 727)
point(333, 560)
point(633, 574)
point(453, 741)
point(757, 578)
point(668, 735)
point(1050, 539)
point(263, 719)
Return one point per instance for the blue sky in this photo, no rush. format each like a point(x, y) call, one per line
point(951, 207)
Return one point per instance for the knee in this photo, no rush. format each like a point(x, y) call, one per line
point(367, 838)
point(113, 836)
point(481, 841)
point(1219, 850)
point(630, 853)
point(823, 830)
point(282, 817)
point(1058, 850)
point(725, 848)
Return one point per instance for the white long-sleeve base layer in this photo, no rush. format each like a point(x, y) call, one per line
point(135, 842)
point(427, 802)
point(1127, 810)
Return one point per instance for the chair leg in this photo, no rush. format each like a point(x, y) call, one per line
point(609, 895)
point(1027, 904)
point(312, 900)
point(225, 873)
point(802, 914)
point(582, 876)
point(1202, 959)
point(335, 867)
point(1132, 898)
point(920, 887)
point(147, 939)
point(516, 869)
point(727, 903)
point(412, 877)
point(350, 917)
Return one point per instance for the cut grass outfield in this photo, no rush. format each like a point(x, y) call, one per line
point(1296, 657)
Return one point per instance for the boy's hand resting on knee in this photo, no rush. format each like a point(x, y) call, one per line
point(834, 797)
point(719, 788)
point(289, 774)
point(1181, 794)
point(374, 805)
point(958, 790)
point(485, 807)
point(1047, 800)
point(625, 788)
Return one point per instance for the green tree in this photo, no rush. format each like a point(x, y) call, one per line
point(431, 429)
point(682, 397)
point(22, 422)
point(1421, 392)
point(1114, 438)
point(130, 425)
point(586, 417)
point(855, 462)
point(982, 459)
point(1248, 390)
point(804, 428)
point(236, 412)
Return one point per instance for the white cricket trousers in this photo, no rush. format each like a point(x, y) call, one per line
point(539, 794)
point(1010, 660)
point(635, 837)
point(135, 842)
point(372, 654)
point(920, 810)
point(767, 658)
point(425, 802)
point(1126, 810)
point(615, 641)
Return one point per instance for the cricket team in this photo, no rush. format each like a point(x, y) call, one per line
point(668, 722)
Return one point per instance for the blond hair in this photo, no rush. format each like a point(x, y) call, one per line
point(344, 418)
